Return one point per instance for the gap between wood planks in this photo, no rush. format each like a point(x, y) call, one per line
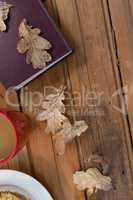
point(113, 49)
point(68, 83)
point(118, 82)
point(115, 61)
point(117, 72)
point(62, 191)
point(81, 157)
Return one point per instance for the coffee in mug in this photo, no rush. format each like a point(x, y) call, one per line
point(14, 133)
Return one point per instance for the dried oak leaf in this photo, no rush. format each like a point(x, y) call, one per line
point(92, 180)
point(67, 133)
point(4, 11)
point(53, 112)
point(33, 45)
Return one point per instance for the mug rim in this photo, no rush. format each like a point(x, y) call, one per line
point(14, 149)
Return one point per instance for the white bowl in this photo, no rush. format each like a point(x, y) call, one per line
point(14, 181)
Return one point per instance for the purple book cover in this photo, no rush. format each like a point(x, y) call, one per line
point(14, 72)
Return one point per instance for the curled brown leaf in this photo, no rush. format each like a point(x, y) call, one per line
point(97, 161)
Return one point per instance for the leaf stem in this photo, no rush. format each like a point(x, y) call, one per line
point(91, 195)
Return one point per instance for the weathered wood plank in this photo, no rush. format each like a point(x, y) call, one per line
point(40, 147)
point(55, 172)
point(101, 65)
point(122, 32)
point(92, 68)
point(122, 26)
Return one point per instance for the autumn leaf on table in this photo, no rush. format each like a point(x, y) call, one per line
point(53, 112)
point(92, 180)
point(4, 11)
point(33, 45)
point(95, 178)
point(67, 133)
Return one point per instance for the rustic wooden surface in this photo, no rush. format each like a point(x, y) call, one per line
point(101, 33)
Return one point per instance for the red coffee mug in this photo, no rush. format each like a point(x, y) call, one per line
point(21, 130)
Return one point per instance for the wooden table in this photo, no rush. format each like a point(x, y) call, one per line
point(101, 32)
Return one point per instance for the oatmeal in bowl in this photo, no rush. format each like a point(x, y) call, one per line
point(11, 196)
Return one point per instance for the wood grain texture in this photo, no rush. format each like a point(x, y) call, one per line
point(94, 75)
point(53, 171)
point(92, 68)
point(122, 26)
